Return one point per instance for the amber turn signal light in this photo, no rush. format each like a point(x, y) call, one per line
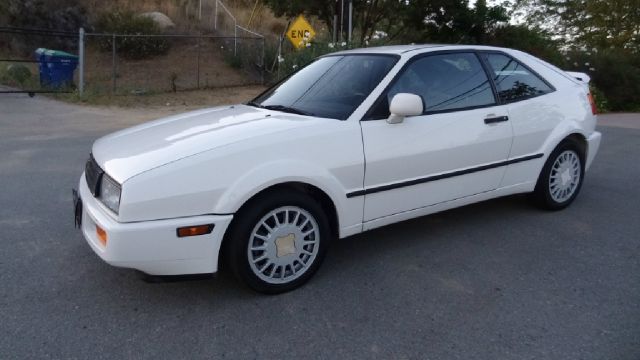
point(102, 235)
point(195, 230)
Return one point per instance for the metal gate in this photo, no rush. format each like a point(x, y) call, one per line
point(21, 71)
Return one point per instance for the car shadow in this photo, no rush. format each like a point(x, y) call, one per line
point(371, 247)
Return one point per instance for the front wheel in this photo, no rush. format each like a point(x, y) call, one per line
point(561, 177)
point(278, 241)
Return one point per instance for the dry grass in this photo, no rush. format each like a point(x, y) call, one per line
point(261, 20)
point(184, 13)
point(175, 9)
point(173, 102)
point(179, 69)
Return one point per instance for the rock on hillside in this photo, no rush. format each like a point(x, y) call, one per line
point(163, 21)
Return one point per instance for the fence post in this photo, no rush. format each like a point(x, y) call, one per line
point(113, 62)
point(264, 64)
point(81, 62)
point(198, 64)
point(235, 40)
point(215, 17)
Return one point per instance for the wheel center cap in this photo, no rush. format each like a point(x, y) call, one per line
point(285, 245)
point(566, 177)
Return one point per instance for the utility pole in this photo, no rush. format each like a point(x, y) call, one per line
point(81, 56)
point(341, 18)
point(350, 30)
point(335, 21)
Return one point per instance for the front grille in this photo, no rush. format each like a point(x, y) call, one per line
point(93, 174)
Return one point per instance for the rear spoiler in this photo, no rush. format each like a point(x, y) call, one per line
point(582, 77)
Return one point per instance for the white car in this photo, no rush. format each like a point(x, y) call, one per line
point(356, 140)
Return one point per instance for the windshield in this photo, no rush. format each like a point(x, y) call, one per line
point(330, 87)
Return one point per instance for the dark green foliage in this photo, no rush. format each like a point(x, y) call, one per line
point(531, 40)
point(606, 34)
point(601, 100)
point(601, 24)
point(19, 73)
point(615, 75)
point(134, 47)
point(320, 8)
point(451, 21)
point(60, 15)
point(235, 61)
point(65, 15)
point(447, 21)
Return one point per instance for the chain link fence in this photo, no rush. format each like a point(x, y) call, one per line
point(138, 64)
point(19, 67)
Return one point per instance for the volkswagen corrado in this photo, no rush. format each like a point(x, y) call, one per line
point(355, 140)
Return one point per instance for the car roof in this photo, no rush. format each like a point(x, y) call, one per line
point(402, 49)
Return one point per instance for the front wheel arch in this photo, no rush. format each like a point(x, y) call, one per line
point(314, 192)
point(233, 249)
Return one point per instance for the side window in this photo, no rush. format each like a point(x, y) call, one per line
point(515, 82)
point(445, 82)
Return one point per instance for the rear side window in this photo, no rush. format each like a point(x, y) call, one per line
point(515, 82)
point(447, 82)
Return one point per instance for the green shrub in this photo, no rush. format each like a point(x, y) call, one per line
point(534, 41)
point(19, 76)
point(126, 22)
point(614, 73)
point(66, 15)
point(19, 73)
point(292, 60)
point(601, 100)
point(233, 60)
point(61, 15)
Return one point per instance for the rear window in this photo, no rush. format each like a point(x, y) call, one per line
point(514, 81)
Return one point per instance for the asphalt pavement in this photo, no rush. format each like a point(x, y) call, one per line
point(495, 280)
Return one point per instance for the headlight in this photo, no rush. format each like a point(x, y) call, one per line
point(110, 193)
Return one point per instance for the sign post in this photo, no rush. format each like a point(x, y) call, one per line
point(300, 33)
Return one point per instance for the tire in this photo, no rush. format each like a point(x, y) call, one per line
point(561, 177)
point(284, 257)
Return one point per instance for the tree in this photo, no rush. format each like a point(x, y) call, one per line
point(66, 15)
point(600, 24)
point(369, 15)
point(406, 20)
point(324, 10)
point(531, 40)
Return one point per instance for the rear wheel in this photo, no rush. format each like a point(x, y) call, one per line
point(277, 242)
point(561, 178)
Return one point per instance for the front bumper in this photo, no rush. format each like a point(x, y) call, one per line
point(152, 246)
point(593, 144)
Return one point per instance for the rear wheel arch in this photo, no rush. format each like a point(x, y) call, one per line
point(541, 195)
point(579, 140)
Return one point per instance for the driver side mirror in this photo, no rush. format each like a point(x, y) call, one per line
point(403, 105)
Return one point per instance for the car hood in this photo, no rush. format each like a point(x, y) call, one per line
point(132, 151)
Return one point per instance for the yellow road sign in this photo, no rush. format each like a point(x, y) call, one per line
point(300, 32)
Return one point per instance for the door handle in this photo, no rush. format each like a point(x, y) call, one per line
point(496, 119)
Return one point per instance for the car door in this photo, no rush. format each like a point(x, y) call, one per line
point(453, 150)
point(532, 115)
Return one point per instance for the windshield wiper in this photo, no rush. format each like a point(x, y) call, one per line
point(255, 104)
point(287, 109)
